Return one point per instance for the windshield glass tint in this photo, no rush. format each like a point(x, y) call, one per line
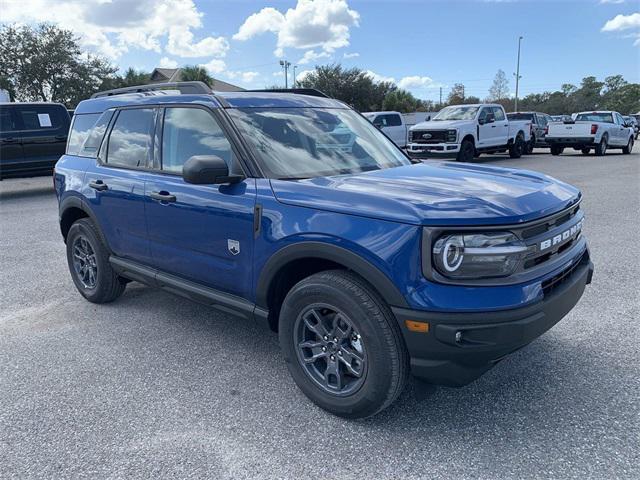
point(314, 142)
point(595, 117)
point(457, 113)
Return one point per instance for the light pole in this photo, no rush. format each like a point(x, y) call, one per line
point(285, 65)
point(518, 72)
point(294, 76)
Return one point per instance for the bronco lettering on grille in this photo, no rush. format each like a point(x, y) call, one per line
point(562, 237)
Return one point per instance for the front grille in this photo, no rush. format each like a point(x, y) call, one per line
point(551, 284)
point(437, 136)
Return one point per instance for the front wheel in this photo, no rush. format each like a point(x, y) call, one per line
point(467, 151)
point(342, 345)
point(517, 147)
point(627, 150)
point(530, 146)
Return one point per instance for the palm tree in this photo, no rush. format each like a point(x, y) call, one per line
point(192, 73)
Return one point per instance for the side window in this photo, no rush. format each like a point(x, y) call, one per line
point(39, 117)
point(80, 131)
point(94, 139)
point(188, 132)
point(131, 138)
point(393, 120)
point(498, 113)
point(380, 120)
point(483, 113)
point(7, 122)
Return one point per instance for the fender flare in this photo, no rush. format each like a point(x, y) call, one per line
point(79, 203)
point(325, 251)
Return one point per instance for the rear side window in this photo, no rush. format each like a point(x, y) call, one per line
point(80, 129)
point(7, 122)
point(131, 138)
point(188, 132)
point(39, 117)
point(498, 114)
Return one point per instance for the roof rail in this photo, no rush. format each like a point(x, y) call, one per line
point(300, 91)
point(183, 87)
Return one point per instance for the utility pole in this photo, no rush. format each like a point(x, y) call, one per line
point(462, 93)
point(517, 74)
point(285, 65)
point(440, 96)
point(295, 85)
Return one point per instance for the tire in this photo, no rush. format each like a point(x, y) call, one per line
point(517, 147)
point(467, 151)
point(585, 151)
point(556, 150)
point(627, 150)
point(601, 148)
point(84, 247)
point(530, 146)
point(368, 339)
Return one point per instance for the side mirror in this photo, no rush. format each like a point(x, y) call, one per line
point(378, 126)
point(207, 170)
point(490, 118)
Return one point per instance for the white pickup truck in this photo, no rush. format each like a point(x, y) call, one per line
point(591, 130)
point(466, 131)
point(392, 124)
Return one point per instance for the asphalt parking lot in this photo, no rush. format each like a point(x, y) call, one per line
point(155, 386)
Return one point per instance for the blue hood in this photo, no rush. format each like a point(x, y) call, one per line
point(434, 194)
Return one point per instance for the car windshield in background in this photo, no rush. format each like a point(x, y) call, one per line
point(595, 117)
point(456, 113)
point(294, 143)
point(520, 116)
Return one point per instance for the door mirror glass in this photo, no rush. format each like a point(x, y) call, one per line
point(207, 170)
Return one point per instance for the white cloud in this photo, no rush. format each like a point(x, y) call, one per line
point(416, 82)
point(617, 2)
point(311, 56)
point(351, 55)
point(166, 62)
point(116, 26)
point(300, 76)
point(214, 66)
point(245, 77)
point(321, 23)
point(622, 22)
point(379, 78)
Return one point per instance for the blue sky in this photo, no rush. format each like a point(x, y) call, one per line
point(422, 45)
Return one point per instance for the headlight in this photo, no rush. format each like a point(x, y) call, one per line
point(452, 136)
point(478, 255)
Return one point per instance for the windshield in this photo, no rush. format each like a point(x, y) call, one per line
point(293, 143)
point(456, 113)
point(520, 116)
point(595, 117)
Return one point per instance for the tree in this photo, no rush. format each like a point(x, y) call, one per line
point(401, 101)
point(500, 88)
point(45, 63)
point(456, 95)
point(353, 86)
point(194, 73)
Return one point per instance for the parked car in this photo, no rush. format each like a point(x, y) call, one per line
point(32, 138)
point(368, 266)
point(392, 124)
point(539, 122)
point(466, 131)
point(596, 131)
point(561, 118)
point(633, 122)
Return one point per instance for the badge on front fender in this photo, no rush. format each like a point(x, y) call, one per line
point(233, 246)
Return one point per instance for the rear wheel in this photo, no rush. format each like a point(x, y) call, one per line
point(467, 151)
point(601, 148)
point(629, 147)
point(342, 345)
point(530, 145)
point(88, 260)
point(585, 151)
point(517, 147)
point(556, 150)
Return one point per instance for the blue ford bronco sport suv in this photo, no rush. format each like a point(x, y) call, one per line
point(291, 209)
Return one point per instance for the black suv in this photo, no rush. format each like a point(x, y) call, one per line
point(33, 137)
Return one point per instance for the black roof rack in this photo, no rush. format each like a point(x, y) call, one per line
point(300, 91)
point(183, 87)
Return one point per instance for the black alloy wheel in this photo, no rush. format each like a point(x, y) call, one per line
point(84, 262)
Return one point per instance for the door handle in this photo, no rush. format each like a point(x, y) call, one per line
point(163, 196)
point(493, 126)
point(99, 185)
point(9, 140)
point(60, 137)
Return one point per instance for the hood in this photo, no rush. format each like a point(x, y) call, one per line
point(441, 193)
point(440, 125)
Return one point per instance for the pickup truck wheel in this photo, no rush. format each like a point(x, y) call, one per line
point(530, 145)
point(556, 150)
point(88, 260)
point(585, 151)
point(626, 150)
point(601, 148)
point(517, 147)
point(342, 345)
point(467, 152)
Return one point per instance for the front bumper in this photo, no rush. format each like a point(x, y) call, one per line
point(570, 141)
point(418, 150)
point(461, 347)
